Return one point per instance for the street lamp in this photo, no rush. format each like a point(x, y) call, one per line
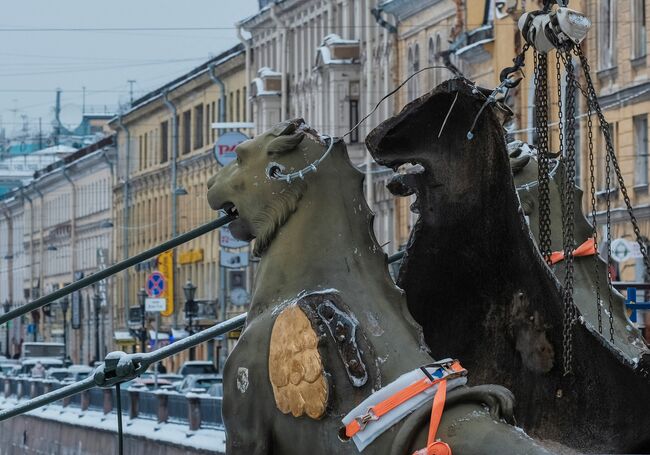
point(142, 295)
point(6, 307)
point(64, 303)
point(190, 308)
point(97, 302)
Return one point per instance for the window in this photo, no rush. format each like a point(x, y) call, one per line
point(231, 111)
point(146, 150)
point(641, 150)
point(354, 118)
point(602, 182)
point(164, 141)
point(207, 123)
point(198, 126)
point(140, 152)
point(607, 34)
point(245, 104)
point(639, 46)
point(237, 117)
point(214, 119)
point(431, 61)
point(409, 71)
point(187, 131)
point(438, 71)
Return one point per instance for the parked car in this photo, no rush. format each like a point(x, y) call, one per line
point(79, 372)
point(150, 383)
point(199, 381)
point(26, 365)
point(60, 374)
point(9, 368)
point(216, 390)
point(197, 367)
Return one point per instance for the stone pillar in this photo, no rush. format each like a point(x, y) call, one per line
point(7, 385)
point(163, 408)
point(33, 389)
point(66, 401)
point(85, 400)
point(19, 389)
point(47, 387)
point(108, 400)
point(134, 396)
point(193, 411)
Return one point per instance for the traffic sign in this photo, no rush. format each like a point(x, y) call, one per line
point(224, 149)
point(621, 250)
point(155, 284)
point(233, 260)
point(227, 240)
point(155, 304)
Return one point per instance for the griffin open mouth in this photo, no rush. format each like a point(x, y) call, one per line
point(229, 208)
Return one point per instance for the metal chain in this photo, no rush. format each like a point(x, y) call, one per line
point(593, 99)
point(541, 114)
point(560, 115)
point(568, 215)
point(594, 221)
point(608, 223)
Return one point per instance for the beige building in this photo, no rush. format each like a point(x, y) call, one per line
point(165, 158)
point(57, 229)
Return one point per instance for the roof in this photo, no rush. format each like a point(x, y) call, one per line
point(194, 73)
point(105, 142)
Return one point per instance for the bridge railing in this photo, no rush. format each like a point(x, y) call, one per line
point(118, 366)
point(160, 405)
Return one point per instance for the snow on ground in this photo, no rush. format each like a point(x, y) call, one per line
point(213, 440)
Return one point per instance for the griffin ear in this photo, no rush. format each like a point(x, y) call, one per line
point(284, 144)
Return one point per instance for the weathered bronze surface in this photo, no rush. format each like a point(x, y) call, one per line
point(477, 284)
point(295, 367)
point(318, 253)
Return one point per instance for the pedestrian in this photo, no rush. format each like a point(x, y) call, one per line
point(162, 369)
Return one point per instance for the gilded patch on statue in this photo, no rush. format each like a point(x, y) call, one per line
point(295, 366)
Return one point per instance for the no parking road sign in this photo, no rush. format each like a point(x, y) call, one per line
point(156, 284)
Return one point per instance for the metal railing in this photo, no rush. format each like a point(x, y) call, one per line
point(118, 366)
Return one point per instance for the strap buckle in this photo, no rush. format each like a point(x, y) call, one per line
point(447, 367)
point(366, 418)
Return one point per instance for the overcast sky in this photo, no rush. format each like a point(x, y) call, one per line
point(35, 62)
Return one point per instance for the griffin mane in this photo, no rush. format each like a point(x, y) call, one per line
point(269, 220)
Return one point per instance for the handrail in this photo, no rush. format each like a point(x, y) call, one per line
point(115, 268)
point(120, 366)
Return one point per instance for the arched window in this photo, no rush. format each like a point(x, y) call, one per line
point(431, 61)
point(440, 73)
point(416, 68)
point(409, 72)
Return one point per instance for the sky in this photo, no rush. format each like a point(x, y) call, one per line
point(37, 61)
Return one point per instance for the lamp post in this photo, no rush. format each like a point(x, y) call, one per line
point(64, 303)
point(142, 295)
point(6, 307)
point(97, 303)
point(190, 308)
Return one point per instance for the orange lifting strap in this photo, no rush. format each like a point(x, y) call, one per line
point(588, 248)
point(433, 447)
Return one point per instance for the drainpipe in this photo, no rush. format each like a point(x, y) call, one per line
point(73, 221)
point(125, 224)
point(247, 46)
point(282, 30)
point(31, 239)
point(41, 252)
point(222, 98)
point(369, 183)
point(172, 110)
point(10, 253)
point(109, 163)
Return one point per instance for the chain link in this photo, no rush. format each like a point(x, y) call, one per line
point(593, 100)
point(568, 216)
point(594, 221)
point(543, 158)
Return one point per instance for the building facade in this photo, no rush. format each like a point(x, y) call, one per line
point(57, 229)
point(329, 62)
point(165, 158)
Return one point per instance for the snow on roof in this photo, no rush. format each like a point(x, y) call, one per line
point(265, 71)
point(122, 335)
point(55, 149)
point(333, 38)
